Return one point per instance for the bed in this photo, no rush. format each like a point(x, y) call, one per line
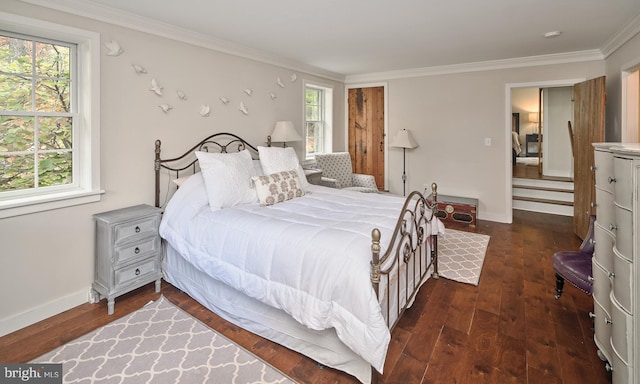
point(322, 271)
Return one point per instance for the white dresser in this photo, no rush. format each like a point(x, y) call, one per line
point(128, 251)
point(604, 237)
point(616, 263)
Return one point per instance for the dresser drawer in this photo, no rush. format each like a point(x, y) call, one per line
point(622, 331)
point(601, 285)
point(136, 229)
point(622, 281)
point(624, 233)
point(131, 274)
point(623, 189)
point(604, 170)
point(605, 209)
point(139, 249)
point(602, 328)
point(603, 247)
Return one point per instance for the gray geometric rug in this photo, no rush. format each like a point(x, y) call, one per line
point(461, 255)
point(159, 343)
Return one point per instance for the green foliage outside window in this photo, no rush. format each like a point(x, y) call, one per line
point(36, 126)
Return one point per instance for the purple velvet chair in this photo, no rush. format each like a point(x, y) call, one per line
point(575, 266)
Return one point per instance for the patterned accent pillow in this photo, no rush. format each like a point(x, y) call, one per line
point(278, 187)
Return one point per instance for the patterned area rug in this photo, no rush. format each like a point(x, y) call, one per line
point(461, 255)
point(159, 343)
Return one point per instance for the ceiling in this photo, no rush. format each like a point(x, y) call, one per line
point(360, 37)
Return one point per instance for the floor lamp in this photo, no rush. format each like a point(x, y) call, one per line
point(403, 139)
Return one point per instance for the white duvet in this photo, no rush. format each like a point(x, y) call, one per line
point(309, 256)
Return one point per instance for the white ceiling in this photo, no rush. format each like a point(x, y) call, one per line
point(351, 37)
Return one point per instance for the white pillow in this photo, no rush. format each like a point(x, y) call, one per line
point(275, 159)
point(257, 167)
point(278, 187)
point(227, 178)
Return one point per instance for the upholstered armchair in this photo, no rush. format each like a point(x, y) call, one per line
point(337, 172)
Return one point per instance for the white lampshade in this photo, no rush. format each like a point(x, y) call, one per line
point(533, 117)
point(285, 132)
point(403, 139)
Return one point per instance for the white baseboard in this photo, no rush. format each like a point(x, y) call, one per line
point(18, 321)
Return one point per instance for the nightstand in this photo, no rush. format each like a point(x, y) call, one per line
point(313, 175)
point(128, 251)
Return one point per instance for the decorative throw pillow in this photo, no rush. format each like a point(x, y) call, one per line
point(274, 159)
point(227, 178)
point(278, 187)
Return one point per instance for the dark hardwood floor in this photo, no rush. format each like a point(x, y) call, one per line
point(508, 329)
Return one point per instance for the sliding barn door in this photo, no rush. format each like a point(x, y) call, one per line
point(366, 131)
point(588, 127)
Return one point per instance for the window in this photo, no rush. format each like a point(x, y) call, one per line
point(49, 125)
point(318, 117)
point(36, 123)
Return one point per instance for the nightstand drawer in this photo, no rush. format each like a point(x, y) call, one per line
point(136, 228)
point(131, 274)
point(138, 249)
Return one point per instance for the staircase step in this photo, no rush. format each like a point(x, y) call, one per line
point(544, 201)
point(542, 188)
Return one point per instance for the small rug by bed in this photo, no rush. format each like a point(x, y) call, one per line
point(461, 255)
point(159, 343)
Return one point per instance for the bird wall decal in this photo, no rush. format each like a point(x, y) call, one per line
point(156, 87)
point(113, 48)
point(243, 108)
point(165, 107)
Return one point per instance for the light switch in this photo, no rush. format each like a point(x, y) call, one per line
point(487, 141)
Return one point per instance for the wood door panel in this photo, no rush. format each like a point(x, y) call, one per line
point(366, 131)
point(588, 115)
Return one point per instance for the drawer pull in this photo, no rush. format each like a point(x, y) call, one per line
point(137, 250)
point(137, 271)
point(613, 227)
point(611, 180)
point(592, 315)
point(590, 278)
point(137, 229)
point(608, 367)
point(612, 274)
point(607, 321)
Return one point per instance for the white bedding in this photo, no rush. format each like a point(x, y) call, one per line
point(309, 256)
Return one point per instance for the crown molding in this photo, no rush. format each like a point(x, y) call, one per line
point(532, 61)
point(626, 33)
point(128, 20)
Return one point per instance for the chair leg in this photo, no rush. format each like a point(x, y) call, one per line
point(559, 286)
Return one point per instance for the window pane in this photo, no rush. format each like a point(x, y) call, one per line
point(313, 113)
point(55, 133)
point(54, 169)
point(15, 55)
point(15, 93)
point(16, 134)
point(52, 61)
point(16, 172)
point(52, 95)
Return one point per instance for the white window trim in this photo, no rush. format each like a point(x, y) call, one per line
point(88, 77)
point(328, 114)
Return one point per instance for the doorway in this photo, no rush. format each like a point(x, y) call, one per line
point(527, 194)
